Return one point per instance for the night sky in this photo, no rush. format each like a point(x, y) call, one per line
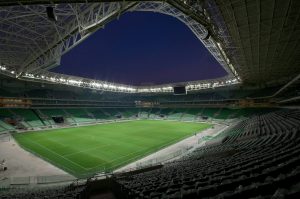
point(142, 48)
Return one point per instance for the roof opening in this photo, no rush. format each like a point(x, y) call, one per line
point(142, 48)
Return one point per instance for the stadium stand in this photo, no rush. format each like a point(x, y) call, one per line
point(28, 116)
point(17, 89)
point(250, 149)
point(43, 117)
point(99, 114)
point(2, 129)
point(257, 158)
point(129, 112)
point(67, 192)
point(5, 126)
point(79, 115)
point(176, 114)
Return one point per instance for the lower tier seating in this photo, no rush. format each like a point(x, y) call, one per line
point(250, 162)
point(66, 192)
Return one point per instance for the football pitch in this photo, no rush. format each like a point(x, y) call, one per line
point(83, 151)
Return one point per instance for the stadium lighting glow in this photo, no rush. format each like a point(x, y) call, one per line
point(226, 59)
point(76, 82)
point(2, 68)
point(155, 89)
point(108, 86)
point(212, 84)
point(105, 85)
point(217, 49)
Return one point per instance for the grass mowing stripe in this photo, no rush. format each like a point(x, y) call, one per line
point(86, 150)
point(56, 153)
point(127, 142)
point(137, 152)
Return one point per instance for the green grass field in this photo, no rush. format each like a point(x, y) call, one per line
point(83, 151)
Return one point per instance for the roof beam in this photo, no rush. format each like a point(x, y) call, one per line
point(45, 2)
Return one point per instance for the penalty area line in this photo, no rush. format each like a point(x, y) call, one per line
point(56, 154)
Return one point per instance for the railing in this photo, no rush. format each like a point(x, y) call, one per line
point(35, 180)
point(4, 136)
point(161, 159)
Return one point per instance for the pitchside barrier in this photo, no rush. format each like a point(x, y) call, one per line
point(35, 180)
point(162, 159)
point(4, 137)
point(179, 153)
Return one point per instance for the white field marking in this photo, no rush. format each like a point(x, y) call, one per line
point(167, 144)
point(68, 170)
point(82, 151)
point(103, 146)
point(136, 152)
point(57, 154)
point(113, 160)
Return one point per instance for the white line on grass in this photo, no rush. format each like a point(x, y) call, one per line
point(56, 153)
point(144, 155)
point(113, 160)
point(103, 146)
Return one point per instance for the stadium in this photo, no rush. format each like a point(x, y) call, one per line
point(227, 128)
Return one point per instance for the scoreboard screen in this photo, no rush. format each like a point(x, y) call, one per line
point(179, 90)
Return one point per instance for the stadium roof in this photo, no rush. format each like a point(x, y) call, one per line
point(265, 34)
point(256, 42)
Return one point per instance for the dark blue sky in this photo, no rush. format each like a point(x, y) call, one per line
point(141, 48)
